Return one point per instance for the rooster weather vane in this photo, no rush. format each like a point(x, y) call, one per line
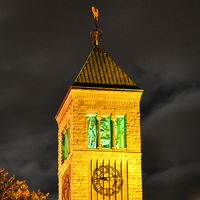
point(96, 33)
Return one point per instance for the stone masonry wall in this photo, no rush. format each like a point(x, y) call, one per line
point(82, 160)
point(104, 103)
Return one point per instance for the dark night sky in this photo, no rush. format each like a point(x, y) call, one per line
point(43, 46)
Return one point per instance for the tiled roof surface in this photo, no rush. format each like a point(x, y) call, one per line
point(100, 70)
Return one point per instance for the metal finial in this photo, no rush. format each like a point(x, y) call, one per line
point(96, 33)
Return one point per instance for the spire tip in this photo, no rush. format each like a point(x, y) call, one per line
point(96, 33)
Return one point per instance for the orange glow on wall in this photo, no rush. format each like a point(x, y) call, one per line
point(76, 172)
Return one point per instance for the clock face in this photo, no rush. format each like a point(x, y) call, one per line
point(107, 180)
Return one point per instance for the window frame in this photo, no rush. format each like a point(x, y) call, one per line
point(66, 143)
point(92, 133)
point(120, 140)
point(103, 126)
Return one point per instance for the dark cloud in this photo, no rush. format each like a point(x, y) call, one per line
point(44, 44)
point(171, 147)
point(174, 183)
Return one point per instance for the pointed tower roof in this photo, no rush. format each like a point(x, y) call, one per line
point(100, 70)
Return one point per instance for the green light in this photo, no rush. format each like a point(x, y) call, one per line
point(63, 147)
point(91, 131)
point(105, 128)
point(120, 132)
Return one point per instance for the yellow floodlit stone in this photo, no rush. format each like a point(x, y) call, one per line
point(100, 92)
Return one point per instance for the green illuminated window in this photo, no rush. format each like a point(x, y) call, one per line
point(91, 131)
point(63, 147)
point(67, 139)
point(66, 143)
point(120, 132)
point(105, 130)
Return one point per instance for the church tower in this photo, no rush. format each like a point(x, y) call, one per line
point(99, 138)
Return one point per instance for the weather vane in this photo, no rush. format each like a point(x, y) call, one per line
point(96, 33)
point(95, 12)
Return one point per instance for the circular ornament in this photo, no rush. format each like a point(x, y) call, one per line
point(107, 180)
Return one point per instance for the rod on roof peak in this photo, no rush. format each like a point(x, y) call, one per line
point(95, 33)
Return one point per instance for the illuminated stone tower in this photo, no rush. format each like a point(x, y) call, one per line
point(99, 139)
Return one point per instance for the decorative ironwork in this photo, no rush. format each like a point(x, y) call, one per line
point(95, 12)
point(96, 33)
point(107, 180)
